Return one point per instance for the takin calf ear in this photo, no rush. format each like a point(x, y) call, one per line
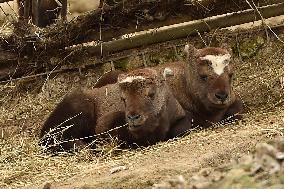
point(168, 72)
point(189, 50)
point(108, 78)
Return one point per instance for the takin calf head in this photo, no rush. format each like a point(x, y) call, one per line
point(210, 71)
point(150, 108)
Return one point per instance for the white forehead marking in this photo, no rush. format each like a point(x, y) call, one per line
point(130, 79)
point(219, 62)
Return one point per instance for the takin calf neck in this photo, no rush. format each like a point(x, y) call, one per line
point(202, 85)
point(141, 100)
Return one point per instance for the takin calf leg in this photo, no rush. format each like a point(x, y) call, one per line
point(70, 122)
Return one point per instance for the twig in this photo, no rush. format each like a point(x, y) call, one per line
point(212, 36)
point(48, 75)
point(256, 8)
point(15, 12)
point(31, 76)
point(201, 38)
point(87, 137)
point(59, 126)
point(262, 19)
point(144, 60)
point(3, 11)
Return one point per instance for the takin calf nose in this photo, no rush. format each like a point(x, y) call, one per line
point(134, 119)
point(222, 96)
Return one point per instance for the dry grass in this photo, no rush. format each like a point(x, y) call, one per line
point(259, 79)
point(25, 105)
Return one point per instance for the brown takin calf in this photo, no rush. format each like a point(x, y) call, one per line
point(141, 98)
point(202, 85)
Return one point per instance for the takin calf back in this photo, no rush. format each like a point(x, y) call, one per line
point(141, 99)
point(202, 85)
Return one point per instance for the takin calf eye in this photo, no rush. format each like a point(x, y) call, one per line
point(150, 93)
point(203, 77)
point(231, 76)
point(122, 99)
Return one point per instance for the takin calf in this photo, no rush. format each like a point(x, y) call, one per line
point(202, 85)
point(140, 99)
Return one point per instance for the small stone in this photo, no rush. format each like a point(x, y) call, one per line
point(163, 185)
point(264, 148)
point(117, 169)
point(199, 182)
point(177, 182)
point(201, 185)
point(269, 164)
point(277, 186)
point(205, 172)
point(217, 176)
point(280, 155)
point(246, 160)
point(48, 186)
point(280, 143)
point(256, 167)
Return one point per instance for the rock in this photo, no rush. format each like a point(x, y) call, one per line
point(280, 156)
point(177, 182)
point(199, 182)
point(201, 185)
point(205, 172)
point(266, 149)
point(117, 169)
point(277, 186)
point(269, 164)
point(48, 186)
point(217, 176)
point(255, 168)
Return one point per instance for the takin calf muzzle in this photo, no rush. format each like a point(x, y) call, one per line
point(222, 96)
point(134, 120)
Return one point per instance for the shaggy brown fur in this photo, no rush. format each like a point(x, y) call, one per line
point(140, 98)
point(44, 13)
point(151, 111)
point(207, 96)
point(76, 115)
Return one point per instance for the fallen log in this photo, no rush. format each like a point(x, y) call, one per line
point(185, 29)
point(131, 16)
point(4, 1)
